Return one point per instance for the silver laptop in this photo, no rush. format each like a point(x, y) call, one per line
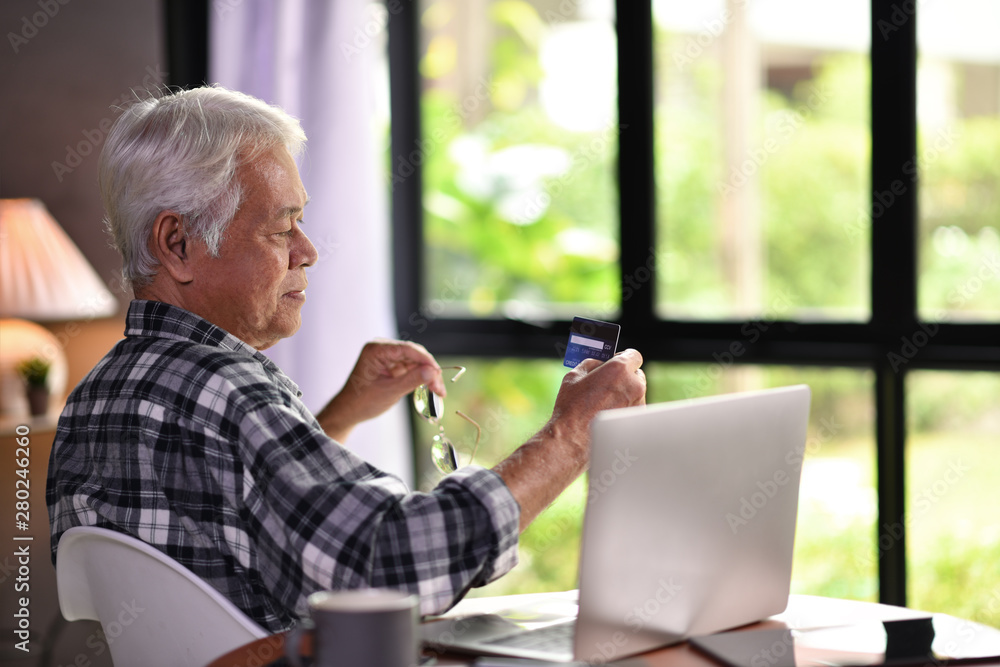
point(688, 530)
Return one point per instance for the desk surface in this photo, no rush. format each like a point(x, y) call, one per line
point(803, 611)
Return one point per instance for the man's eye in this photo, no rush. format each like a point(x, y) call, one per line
point(291, 230)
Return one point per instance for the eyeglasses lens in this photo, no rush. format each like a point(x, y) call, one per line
point(429, 405)
point(443, 454)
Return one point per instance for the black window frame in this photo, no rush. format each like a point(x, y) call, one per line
point(877, 344)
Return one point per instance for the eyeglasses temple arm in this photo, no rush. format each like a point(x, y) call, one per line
point(479, 430)
point(460, 369)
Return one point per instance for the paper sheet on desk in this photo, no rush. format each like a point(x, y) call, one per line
point(540, 605)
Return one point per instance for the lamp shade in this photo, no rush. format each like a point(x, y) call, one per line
point(43, 275)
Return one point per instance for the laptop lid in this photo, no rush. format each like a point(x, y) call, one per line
point(690, 519)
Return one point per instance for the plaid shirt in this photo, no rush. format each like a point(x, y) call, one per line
point(197, 444)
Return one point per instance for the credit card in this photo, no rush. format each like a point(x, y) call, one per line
point(591, 339)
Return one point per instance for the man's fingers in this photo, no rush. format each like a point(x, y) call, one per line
point(400, 351)
point(432, 377)
point(407, 362)
point(630, 357)
point(588, 365)
point(629, 377)
point(641, 398)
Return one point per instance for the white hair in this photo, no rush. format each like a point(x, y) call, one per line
point(180, 152)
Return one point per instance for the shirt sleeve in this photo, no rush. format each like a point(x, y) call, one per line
point(322, 518)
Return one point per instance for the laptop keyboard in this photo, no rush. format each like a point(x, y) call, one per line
point(550, 639)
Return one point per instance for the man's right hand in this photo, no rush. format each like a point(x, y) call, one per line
point(386, 371)
point(594, 386)
point(545, 465)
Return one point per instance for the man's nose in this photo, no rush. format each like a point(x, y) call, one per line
point(304, 253)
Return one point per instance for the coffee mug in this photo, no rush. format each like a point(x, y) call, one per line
point(359, 628)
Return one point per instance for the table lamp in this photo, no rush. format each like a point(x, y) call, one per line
point(43, 277)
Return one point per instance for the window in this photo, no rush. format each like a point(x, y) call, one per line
point(951, 498)
point(958, 122)
point(519, 135)
point(762, 137)
point(834, 554)
point(552, 158)
point(753, 221)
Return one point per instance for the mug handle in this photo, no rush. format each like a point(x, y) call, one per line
point(293, 641)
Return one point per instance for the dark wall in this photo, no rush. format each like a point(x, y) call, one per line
point(63, 67)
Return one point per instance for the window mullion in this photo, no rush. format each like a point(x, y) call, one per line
point(636, 179)
point(406, 181)
point(893, 234)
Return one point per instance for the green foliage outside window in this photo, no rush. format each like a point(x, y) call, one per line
point(811, 174)
point(518, 212)
point(959, 232)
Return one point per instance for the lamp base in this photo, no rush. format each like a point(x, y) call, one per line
point(20, 340)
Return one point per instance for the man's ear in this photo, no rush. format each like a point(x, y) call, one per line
point(170, 245)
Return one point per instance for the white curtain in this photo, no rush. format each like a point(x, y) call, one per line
point(292, 53)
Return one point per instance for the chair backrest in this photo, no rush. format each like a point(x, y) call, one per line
point(154, 611)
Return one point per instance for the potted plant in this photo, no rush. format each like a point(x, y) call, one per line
point(35, 373)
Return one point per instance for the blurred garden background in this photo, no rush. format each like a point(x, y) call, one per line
point(764, 214)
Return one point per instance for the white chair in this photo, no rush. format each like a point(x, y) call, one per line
point(154, 611)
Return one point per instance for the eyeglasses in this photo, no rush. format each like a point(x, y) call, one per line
point(430, 407)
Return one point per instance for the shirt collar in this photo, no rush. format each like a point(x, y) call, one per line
point(163, 320)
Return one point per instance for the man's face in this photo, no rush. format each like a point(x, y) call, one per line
point(255, 288)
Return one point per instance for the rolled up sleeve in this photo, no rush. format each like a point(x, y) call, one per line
point(323, 518)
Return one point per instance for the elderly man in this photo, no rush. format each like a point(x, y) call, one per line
point(186, 436)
